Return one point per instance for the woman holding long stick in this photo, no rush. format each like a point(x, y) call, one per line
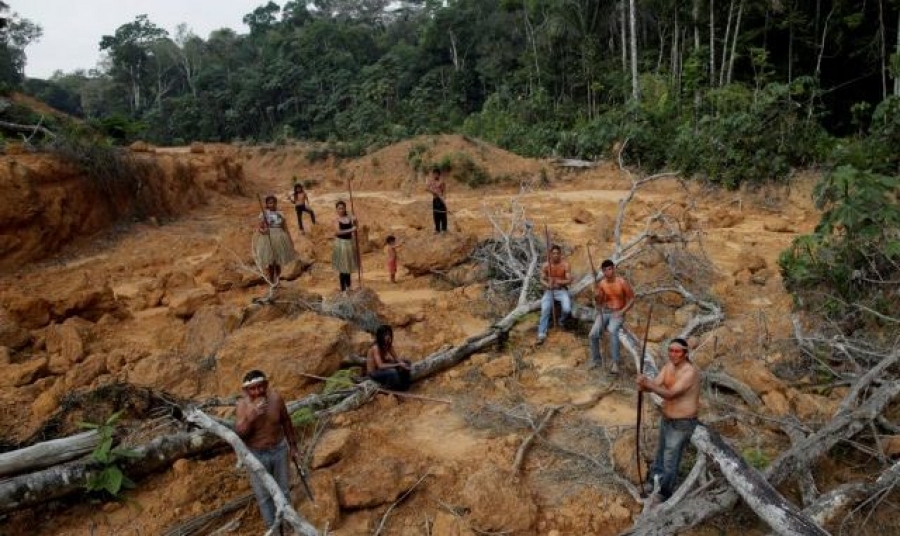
point(343, 253)
point(272, 244)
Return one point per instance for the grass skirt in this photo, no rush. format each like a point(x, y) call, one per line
point(343, 256)
point(279, 250)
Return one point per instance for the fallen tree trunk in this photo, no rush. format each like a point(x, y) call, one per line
point(284, 512)
point(802, 455)
point(782, 516)
point(49, 453)
point(31, 489)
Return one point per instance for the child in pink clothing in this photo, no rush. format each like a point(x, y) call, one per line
point(390, 250)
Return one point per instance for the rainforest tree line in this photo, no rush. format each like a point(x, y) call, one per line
point(732, 91)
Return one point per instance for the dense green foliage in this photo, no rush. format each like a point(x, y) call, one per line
point(733, 91)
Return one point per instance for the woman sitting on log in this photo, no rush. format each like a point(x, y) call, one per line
point(382, 364)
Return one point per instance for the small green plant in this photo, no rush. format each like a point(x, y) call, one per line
point(342, 379)
point(303, 417)
point(757, 458)
point(110, 478)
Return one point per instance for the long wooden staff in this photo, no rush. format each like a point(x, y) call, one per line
point(593, 274)
point(355, 233)
point(550, 276)
point(640, 400)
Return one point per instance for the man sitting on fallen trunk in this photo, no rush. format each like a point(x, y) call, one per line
point(678, 383)
point(265, 426)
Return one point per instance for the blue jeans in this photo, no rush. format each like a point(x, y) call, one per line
point(612, 323)
point(560, 295)
point(275, 460)
point(674, 435)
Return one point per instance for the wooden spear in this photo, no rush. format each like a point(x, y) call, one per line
point(640, 400)
point(355, 233)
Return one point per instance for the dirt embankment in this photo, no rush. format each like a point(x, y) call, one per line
point(48, 202)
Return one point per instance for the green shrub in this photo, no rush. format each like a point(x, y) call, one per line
point(853, 251)
point(464, 169)
point(110, 478)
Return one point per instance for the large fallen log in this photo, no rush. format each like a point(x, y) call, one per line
point(782, 516)
point(48, 453)
point(704, 506)
point(31, 489)
point(284, 511)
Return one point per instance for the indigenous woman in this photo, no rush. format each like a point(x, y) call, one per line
point(382, 364)
point(343, 254)
point(272, 245)
point(300, 199)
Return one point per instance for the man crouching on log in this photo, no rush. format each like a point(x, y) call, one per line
point(678, 383)
point(265, 426)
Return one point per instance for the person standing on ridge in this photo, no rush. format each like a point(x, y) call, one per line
point(300, 199)
point(438, 189)
point(272, 244)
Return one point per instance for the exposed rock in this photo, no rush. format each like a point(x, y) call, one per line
point(751, 261)
point(891, 445)
point(47, 402)
point(82, 374)
point(31, 312)
point(20, 374)
point(501, 367)
point(623, 454)
point(777, 403)
point(334, 446)
point(496, 504)
point(220, 274)
point(373, 484)
point(809, 406)
point(5, 354)
point(603, 229)
point(207, 329)
point(761, 277)
point(780, 227)
point(684, 314)
point(671, 299)
point(447, 524)
point(65, 347)
point(326, 511)
point(582, 216)
point(426, 252)
point(756, 375)
point(725, 217)
point(89, 303)
point(185, 303)
point(140, 146)
point(197, 148)
point(309, 343)
point(12, 334)
point(658, 333)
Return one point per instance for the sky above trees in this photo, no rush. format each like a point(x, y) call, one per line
point(72, 30)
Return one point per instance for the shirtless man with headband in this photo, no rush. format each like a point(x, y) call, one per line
point(265, 426)
point(678, 383)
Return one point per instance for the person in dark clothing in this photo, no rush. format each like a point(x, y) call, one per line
point(382, 364)
point(438, 189)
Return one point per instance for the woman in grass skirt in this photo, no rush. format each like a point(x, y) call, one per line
point(343, 253)
point(272, 244)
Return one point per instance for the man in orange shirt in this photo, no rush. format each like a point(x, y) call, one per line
point(614, 297)
point(555, 277)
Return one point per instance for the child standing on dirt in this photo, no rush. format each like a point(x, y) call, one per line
point(390, 251)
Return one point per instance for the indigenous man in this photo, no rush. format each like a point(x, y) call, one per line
point(555, 277)
point(265, 426)
point(678, 383)
point(438, 190)
point(614, 297)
